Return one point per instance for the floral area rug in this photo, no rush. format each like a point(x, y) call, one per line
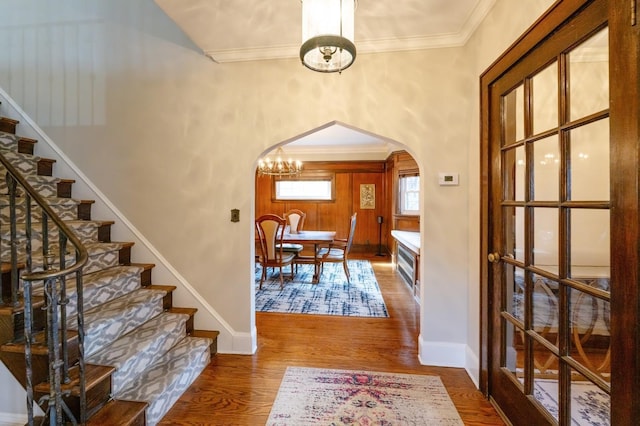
point(331, 296)
point(313, 396)
point(589, 404)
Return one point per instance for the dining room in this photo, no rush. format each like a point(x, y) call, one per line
point(354, 200)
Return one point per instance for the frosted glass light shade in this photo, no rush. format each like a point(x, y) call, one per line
point(327, 35)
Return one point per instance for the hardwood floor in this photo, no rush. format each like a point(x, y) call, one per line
point(240, 389)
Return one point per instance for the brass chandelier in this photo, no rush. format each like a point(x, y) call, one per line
point(276, 165)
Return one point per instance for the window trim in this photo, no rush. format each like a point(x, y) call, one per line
point(400, 210)
point(305, 177)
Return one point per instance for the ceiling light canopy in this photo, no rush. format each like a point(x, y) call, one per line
point(327, 35)
point(276, 165)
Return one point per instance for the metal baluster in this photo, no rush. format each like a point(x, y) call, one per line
point(55, 363)
point(11, 184)
point(45, 240)
point(29, 232)
point(63, 308)
point(28, 336)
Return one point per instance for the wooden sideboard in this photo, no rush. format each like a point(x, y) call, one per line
point(407, 259)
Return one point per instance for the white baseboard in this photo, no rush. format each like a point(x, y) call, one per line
point(442, 354)
point(473, 367)
point(9, 419)
point(244, 343)
point(446, 354)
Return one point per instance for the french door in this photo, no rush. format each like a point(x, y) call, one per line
point(555, 287)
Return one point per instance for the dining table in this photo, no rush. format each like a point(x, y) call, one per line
point(310, 237)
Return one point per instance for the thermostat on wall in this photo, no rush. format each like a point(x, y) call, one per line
point(447, 178)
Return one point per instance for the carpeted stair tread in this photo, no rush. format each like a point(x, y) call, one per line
point(106, 323)
point(147, 268)
point(210, 334)
point(164, 382)
point(45, 186)
point(101, 287)
point(85, 230)
point(140, 348)
point(66, 208)
point(25, 163)
point(101, 256)
point(9, 141)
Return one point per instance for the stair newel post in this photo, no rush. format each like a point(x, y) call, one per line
point(80, 316)
point(54, 410)
point(28, 314)
point(28, 336)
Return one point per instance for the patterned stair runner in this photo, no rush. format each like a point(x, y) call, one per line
point(132, 353)
point(103, 286)
point(162, 384)
point(126, 326)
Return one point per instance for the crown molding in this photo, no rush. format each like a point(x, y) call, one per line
point(365, 46)
point(334, 152)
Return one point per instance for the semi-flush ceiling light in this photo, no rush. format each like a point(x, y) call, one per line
point(327, 35)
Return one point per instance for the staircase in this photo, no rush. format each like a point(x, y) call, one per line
point(135, 353)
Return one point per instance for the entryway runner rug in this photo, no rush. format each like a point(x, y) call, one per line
point(314, 396)
point(331, 296)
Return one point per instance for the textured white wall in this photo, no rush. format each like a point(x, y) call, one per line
point(172, 138)
point(501, 27)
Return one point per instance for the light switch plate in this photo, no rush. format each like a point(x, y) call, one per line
point(235, 215)
point(447, 179)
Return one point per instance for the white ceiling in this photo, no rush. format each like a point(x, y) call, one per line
point(247, 30)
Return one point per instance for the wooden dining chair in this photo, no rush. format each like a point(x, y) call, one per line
point(295, 221)
point(338, 250)
point(270, 229)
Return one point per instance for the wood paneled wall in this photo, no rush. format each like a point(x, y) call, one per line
point(335, 215)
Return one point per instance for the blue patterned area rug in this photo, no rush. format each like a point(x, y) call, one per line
point(331, 296)
point(314, 396)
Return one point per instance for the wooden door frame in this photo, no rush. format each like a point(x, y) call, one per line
point(625, 200)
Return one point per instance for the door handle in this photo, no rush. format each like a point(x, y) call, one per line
point(494, 257)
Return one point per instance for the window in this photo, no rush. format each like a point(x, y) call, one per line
point(409, 190)
point(304, 189)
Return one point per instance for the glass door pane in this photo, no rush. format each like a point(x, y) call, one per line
point(545, 99)
point(589, 76)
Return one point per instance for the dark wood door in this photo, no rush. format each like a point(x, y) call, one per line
point(553, 285)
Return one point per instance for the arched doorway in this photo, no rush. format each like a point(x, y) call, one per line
point(362, 161)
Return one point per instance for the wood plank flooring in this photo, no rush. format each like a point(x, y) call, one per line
point(240, 389)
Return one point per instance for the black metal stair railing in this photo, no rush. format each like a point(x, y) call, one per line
point(53, 278)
